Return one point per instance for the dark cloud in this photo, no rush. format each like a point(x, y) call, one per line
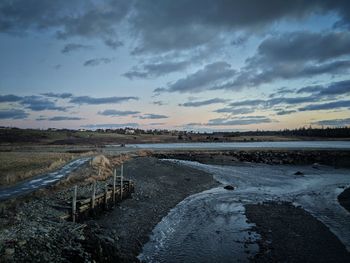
point(281, 91)
point(36, 103)
point(202, 79)
point(162, 24)
point(239, 121)
point(203, 102)
point(310, 89)
point(111, 125)
point(117, 113)
point(13, 114)
point(156, 69)
point(159, 103)
point(74, 47)
point(153, 116)
point(275, 101)
point(285, 112)
point(97, 61)
point(112, 43)
point(327, 106)
point(9, 98)
point(59, 118)
point(337, 88)
point(65, 95)
point(300, 47)
point(333, 122)
point(156, 123)
point(235, 111)
point(97, 101)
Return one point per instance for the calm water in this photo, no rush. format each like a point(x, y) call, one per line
point(211, 226)
point(239, 145)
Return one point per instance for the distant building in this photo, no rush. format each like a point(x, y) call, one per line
point(129, 131)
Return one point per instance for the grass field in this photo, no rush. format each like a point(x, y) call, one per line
point(17, 166)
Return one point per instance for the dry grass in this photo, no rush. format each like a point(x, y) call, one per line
point(17, 166)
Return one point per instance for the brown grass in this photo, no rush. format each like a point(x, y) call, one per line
point(18, 166)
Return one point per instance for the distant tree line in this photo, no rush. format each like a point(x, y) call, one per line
point(337, 132)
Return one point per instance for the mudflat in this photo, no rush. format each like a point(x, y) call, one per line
point(159, 186)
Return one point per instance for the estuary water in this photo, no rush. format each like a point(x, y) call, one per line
point(212, 227)
point(242, 145)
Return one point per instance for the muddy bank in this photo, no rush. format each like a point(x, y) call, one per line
point(159, 187)
point(290, 234)
point(31, 230)
point(338, 158)
point(344, 199)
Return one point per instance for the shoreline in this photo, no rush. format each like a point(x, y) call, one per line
point(134, 219)
point(120, 234)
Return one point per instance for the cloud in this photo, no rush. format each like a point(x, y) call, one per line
point(161, 25)
point(203, 102)
point(337, 88)
point(157, 123)
point(275, 101)
point(9, 98)
point(239, 121)
point(117, 113)
point(98, 101)
point(59, 118)
point(36, 103)
point(333, 122)
point(281, 91)
point(113, 44)
point(111, 125)
point(97, 61)
point(159, 103)
point(58, 95)
point(201, 79)
point(285, 112)
point(235, 111)
point(153, 116)
point(158, 26)
point(327, 106)
point(310, 89)
point(157, 69)
point(13, 114)
point(74, 47)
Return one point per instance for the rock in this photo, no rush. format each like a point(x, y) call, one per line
point(298, 173)
point(316, 165)
point(9, 251)
point(229, 187)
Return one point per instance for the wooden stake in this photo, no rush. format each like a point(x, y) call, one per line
point(121, 182)
point(74, 203)
point(93, 195)
point(114, 181)
point(106, 193)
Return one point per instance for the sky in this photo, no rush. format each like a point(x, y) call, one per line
point(201, 65)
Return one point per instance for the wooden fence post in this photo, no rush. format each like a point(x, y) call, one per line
point(106, 193)
point(114, 181)
point(93, 195)
point(74, 203)
point(121, 182)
